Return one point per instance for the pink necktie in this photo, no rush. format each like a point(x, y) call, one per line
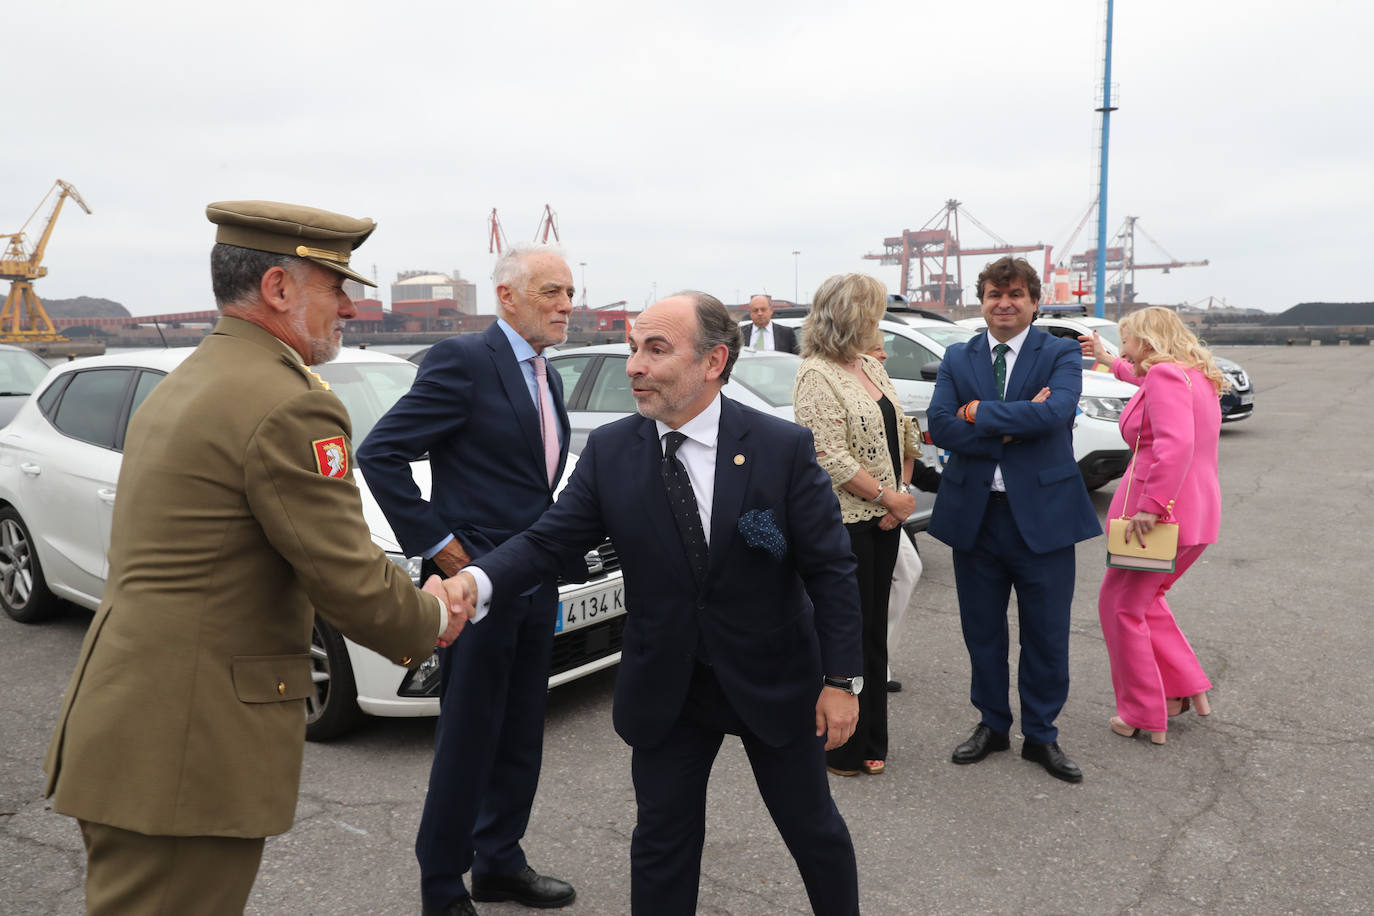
point(546, 420)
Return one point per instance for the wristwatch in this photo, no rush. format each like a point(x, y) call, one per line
point(852, 685)
point(903, 486)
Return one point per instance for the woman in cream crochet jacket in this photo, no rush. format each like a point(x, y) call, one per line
point(869, 448)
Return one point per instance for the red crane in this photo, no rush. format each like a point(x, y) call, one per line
point(547, 223)
point(497, 236)
point(937, 241)
point(1121, 262)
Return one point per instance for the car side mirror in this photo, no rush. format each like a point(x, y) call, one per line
point(930, 370)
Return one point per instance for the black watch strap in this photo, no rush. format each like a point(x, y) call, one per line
point(841, 683)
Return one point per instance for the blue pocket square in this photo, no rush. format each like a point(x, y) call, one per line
point(760, 530)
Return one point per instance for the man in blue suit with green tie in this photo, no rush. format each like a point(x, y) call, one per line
point(1012, 505)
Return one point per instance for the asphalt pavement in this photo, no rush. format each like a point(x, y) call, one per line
point(1264, 807)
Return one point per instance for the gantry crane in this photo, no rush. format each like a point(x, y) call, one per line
point(24, 318)
point(1122, 265)
point(937, 285)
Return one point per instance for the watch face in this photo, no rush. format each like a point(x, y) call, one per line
point(856, 685)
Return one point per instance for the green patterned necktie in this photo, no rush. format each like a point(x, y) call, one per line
point(999, 370)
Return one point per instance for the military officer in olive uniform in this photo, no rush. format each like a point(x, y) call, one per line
point(179, 744)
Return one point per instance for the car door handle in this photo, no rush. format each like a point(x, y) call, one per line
point(106, 495)
point(28, 467)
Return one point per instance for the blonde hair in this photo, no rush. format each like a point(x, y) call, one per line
point(845, 312)
point(1169, 340)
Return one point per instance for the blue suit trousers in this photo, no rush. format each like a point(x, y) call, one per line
point(984, 577)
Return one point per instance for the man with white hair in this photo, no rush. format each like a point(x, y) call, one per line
point(491, 418)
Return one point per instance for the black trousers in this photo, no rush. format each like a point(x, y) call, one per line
point(488, 746)
point(670, 793)
point(876, 552)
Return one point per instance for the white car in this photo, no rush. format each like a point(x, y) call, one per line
point(915, 346)
point(59, 466)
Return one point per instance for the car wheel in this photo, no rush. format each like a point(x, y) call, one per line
point(23, 590)
point(332, 710)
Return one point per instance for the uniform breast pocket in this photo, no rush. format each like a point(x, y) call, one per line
point(272, 678)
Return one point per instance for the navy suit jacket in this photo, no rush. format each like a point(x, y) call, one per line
point(471, 411)
point(1044, 487)
point(767, 645)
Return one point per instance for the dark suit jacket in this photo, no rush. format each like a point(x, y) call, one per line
point(767, 646)
point(470, 409)
point(784, 338)
point(1044, 487)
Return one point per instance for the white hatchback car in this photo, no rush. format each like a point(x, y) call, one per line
point(59, 466)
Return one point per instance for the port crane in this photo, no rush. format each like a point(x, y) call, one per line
point(24, 318)
point(938, 241)
point(496, 234)
point(1121, 263)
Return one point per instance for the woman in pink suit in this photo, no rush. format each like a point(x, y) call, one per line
point(1174, 421)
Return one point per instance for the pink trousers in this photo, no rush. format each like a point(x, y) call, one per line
point(1150, 656)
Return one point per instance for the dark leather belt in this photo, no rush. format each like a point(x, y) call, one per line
point(999, 496)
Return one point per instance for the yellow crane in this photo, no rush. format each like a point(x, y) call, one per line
point(24, 319)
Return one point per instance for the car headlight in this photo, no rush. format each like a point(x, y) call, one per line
point(1239, 380)
point(423, 681)
point(1102, 408)
point(411, 565)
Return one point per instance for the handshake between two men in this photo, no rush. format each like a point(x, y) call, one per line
point(459, 597)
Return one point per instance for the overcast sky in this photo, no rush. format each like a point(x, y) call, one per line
point(696, 144)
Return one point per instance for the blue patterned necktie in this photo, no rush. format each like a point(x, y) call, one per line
point(999, 370)
point(684, 505)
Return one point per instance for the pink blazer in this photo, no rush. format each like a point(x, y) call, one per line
point(1175, 466)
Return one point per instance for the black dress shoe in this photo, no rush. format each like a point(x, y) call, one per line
point(1055, 761)
point(894, 686)
point(982, 742)
point(527, 887)
point(460, 907)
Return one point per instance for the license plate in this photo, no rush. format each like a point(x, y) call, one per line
point(1247, 399)
point(590, 607)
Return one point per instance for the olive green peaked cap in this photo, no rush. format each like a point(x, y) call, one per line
point(325, 238)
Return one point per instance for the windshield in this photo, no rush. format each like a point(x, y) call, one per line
point(367, 389)
point(947, 336)
point(20, 372)
point(1110, 333)
point(770, 377)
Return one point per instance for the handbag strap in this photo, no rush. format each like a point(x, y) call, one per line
point(1135, 453)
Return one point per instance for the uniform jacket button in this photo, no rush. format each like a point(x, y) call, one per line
point(281, 687)
point(405, 661)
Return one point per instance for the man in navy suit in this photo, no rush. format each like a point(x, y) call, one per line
point(763, 333)
point(491, 417)
point(1012, 505)
point(750, 630)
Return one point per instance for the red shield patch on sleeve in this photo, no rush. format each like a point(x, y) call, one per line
point(331, 457)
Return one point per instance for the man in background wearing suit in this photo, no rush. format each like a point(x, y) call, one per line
point(490, 415)
point(752, 630)
point(762, 333)
point(180, 739)
point(1012, 505)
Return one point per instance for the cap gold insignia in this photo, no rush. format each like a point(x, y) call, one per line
point(304, 252)
point(739, 459)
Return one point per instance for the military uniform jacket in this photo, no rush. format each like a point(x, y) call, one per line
point(236, 519)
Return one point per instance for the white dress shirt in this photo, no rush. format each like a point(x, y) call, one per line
point(1016, 343)
point(698, 456)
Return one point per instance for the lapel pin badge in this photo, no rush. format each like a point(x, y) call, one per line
point(739, 459)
